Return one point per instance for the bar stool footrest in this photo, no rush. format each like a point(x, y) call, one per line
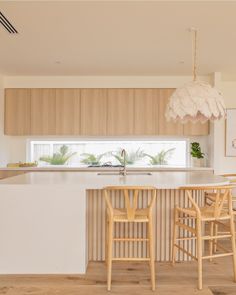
point(130, 259)
point(130, 240)
point(218, 255)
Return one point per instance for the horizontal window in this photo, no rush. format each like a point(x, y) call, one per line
point(106, 153)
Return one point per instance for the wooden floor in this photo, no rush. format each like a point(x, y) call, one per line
point(128, 279)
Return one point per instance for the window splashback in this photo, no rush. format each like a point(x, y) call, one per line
point(97, 153)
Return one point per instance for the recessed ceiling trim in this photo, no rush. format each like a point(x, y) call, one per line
point(7, 25)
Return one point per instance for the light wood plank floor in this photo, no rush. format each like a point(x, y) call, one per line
point(128, 279)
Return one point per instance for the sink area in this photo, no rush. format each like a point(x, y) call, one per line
point(128, 173)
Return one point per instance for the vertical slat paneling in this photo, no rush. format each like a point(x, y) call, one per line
point(103, 227)
point(163, 226)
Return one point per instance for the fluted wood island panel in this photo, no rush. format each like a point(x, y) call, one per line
point(163, 219)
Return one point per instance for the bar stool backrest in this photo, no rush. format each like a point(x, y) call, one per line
point(130, 194)
point(232, 179)
point(223, 200)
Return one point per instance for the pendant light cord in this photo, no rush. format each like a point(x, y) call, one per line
point(194, 51)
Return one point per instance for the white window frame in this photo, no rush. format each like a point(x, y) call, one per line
point(31, 141)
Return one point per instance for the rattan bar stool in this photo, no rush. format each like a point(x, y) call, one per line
point(218, 211)
point(221, 227)
point(130, 213)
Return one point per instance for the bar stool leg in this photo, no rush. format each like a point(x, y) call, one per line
point(151, 254)
point(106, 239)
point(215, 241)
point(174, 236)
point(211, 242)
point(109, 254)
point(199, 253)
point(232, 232)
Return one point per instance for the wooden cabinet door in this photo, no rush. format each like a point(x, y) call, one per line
point(43, 111)
point(10, 173)
point(194, 129)
point(120, 117)
point(165, 127)
point(17, 112)
point(146, 111)
point(93, 111)
point(67, 111)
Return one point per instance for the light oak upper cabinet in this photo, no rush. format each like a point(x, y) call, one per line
point(67, 111)
point(43, 111)
point(146, 111)
point(167, 127)
point(93, 111)
point(120, 119)
point(194, 129)
point(17, 112)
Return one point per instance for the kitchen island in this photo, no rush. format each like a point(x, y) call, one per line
point(54, 222)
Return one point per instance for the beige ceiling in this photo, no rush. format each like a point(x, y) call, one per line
point(117, 37)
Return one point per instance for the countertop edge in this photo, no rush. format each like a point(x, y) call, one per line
point(94, 169)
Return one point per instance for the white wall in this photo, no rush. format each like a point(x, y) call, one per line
point(223, 164)
point(13, 148)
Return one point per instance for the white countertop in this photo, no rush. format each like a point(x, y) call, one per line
point(91, 180)
point(91, 169)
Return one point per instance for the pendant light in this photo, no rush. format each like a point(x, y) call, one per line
point(196, 101)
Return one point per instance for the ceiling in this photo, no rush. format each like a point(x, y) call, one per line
point(117, 37)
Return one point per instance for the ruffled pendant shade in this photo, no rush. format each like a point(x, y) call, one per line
point(195, 101)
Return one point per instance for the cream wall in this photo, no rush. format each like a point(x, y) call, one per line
point(13, 148)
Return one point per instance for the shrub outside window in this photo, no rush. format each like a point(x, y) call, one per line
point(97, 153)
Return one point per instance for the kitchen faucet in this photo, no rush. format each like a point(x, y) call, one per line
point(123, 171)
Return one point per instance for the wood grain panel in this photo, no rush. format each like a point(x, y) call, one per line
point(93, 111)
point(127, 278)
point(10, 173)
point(67, 111)
point(120, 119)
point(146, 111)
point(43, 111)
point(99, 112)
point(165, 127)
point(163, 226)
point(195, 129)
point(17, 112)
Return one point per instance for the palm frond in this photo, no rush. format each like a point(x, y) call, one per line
point(59, 158)
point(161, 158)
point(131, 157)
point(92, 159)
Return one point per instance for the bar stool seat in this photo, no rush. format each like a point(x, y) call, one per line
point(207, 213)
point(120, 215)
